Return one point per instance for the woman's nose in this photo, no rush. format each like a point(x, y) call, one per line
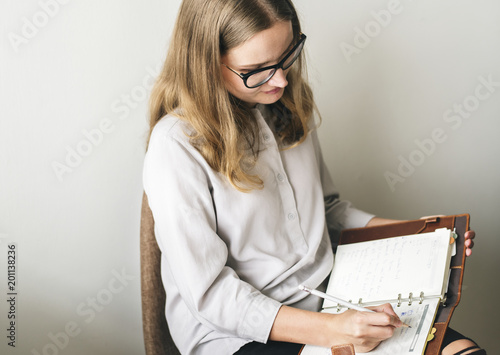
point(279, 79)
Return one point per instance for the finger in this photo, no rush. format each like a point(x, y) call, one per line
point(380, 332)
point(470, 234)
point(372, 333)
point(468, 252)
point(384, 316)
point(433, 216)
point(372, 326)
point(469, 243)
point(386, 308)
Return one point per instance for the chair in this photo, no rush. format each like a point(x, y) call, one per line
point(157, 338)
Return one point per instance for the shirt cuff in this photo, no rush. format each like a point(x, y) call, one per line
point(356, 218)
point(259, 319)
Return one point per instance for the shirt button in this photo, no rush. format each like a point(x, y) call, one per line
point(291, 216)
point(280, 177)
point(266, 137)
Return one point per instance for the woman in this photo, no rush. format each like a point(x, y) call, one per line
point(244, 207)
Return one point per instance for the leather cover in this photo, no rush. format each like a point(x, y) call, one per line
point(346, 349)
point(461, 224)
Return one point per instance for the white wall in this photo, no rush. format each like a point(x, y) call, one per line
point(406, 81)
point(73, 82)
point(75, 76)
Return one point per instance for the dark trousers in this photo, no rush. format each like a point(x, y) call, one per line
point(280, 348)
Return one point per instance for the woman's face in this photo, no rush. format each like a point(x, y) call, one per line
point(265, 48)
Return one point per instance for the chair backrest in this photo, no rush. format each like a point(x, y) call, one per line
point(157, 339)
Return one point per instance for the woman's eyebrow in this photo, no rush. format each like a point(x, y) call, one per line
point(266, 63)
point(256, 65)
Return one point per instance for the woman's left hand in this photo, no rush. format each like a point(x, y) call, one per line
point(469, 236)
point(469, 242)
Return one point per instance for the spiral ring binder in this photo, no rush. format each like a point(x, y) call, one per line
point(400, 299)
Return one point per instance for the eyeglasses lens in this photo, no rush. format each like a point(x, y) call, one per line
point(292, 58)
point(262, 77)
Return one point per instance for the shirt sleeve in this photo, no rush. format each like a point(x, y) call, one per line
point(179, 194)
point(340, 214)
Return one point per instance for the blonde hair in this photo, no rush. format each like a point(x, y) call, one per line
point(225, 132)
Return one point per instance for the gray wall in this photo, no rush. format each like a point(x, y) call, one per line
point(409, 129)
point(411, 108)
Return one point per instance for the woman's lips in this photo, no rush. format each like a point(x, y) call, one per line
point(274, 91)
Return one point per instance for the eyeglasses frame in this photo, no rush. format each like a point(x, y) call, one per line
point(278, 66)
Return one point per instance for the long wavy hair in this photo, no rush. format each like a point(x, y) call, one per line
point(191, 84)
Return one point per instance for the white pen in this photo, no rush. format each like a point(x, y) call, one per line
point(334, 299)
point(338, 300)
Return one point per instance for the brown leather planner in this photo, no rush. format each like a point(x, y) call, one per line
point(458, 223)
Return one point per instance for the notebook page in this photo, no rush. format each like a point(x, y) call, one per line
point(405, 341)
point(379, 270)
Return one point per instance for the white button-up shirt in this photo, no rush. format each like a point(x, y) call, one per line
point(230, 259)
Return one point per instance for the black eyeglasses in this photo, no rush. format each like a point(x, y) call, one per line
point(259, 77)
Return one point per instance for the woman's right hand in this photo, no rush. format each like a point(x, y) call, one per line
point(365, 330)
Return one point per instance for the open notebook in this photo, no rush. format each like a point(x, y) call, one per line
point(410, 272)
